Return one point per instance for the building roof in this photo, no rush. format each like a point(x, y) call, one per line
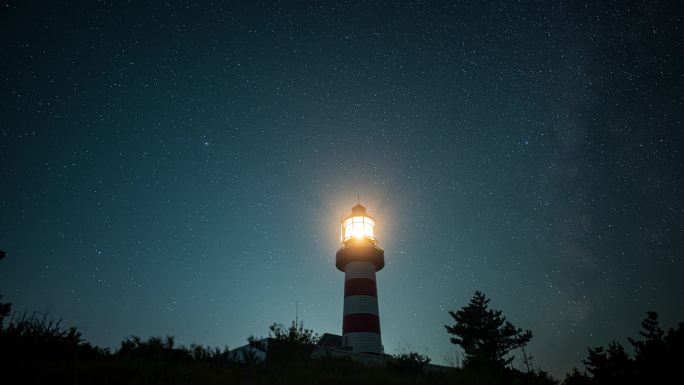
point(330, 340)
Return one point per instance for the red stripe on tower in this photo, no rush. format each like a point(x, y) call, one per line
point(369, 323)
point(360, 286)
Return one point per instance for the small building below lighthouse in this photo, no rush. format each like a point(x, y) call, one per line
point(360, 258)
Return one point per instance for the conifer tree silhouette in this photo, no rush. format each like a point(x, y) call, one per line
point(484, 334)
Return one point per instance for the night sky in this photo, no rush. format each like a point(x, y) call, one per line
point(181, 168)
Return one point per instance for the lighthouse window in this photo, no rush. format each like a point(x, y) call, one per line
point(358, 227)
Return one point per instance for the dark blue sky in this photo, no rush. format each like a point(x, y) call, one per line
point(181, 168)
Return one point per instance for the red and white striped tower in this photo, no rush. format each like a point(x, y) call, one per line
point(359, 258)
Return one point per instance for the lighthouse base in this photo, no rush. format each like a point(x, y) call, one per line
point(362, 342)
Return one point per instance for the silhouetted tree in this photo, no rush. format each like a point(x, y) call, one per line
point(674, 345)
point(657, 356)
point(294, 343)
point(294, 333)
point(649, 352)
point(611, 365)
point(577, 378)
point(5, 308)
point(537, 377)
point(484, 334)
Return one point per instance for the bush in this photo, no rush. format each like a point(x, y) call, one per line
point(37, 338)
point(410, 362)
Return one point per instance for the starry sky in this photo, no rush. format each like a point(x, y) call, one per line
point(182, 167)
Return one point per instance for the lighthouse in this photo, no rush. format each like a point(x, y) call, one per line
point(360, 258)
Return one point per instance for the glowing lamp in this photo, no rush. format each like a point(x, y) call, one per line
point(358, 226)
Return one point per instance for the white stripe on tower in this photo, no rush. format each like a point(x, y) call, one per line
point(361, 322)
point(361, 304)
